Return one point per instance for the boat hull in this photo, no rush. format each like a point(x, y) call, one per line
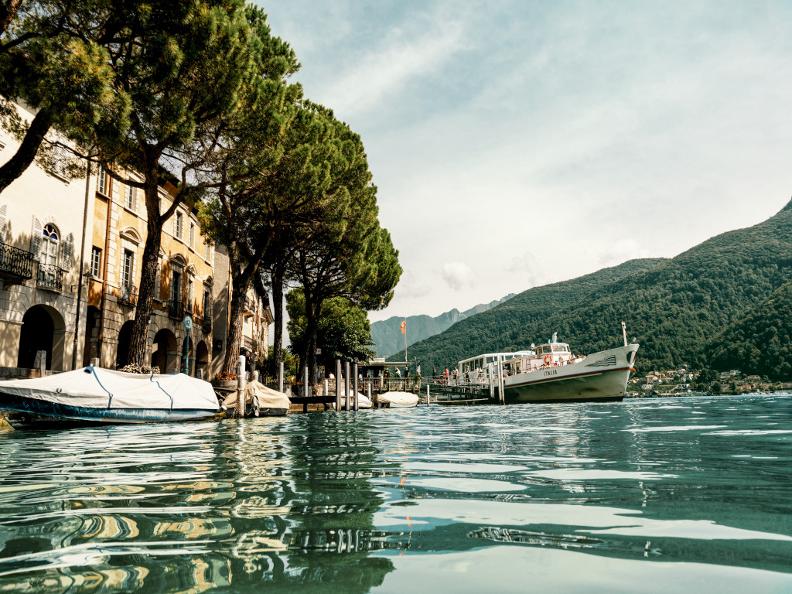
point(601, 376)
point(35, 411)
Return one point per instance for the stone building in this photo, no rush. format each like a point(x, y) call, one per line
point(257, 317)
point(180, 334)
point(41, 225)
point(50, 222)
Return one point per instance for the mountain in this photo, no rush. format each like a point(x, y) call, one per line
point(761, 342)
point(389, 340)
point(673, 307)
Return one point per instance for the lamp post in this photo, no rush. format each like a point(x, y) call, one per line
point(187, 325)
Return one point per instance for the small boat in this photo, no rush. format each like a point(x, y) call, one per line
point(96, 395)
point(260, 401)
point(396, 400)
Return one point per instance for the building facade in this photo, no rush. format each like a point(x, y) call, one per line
point(50, 222)
point(41, 225)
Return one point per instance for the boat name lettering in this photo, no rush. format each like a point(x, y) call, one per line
point(551, 372)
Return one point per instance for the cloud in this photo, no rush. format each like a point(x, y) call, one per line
point(457, 275)
point(381, 73)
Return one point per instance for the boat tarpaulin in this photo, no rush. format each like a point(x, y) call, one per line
point(260, 397)
point(94, 387)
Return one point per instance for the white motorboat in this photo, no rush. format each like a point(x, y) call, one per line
point(95, 395)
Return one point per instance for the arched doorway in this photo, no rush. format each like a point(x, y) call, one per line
point(91, 350)
point(42, 330)
point(201, 360)
point(166, 355)
point(124, 338)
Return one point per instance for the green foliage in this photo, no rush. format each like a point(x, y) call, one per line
point(342, 331)
point(759, 343)
point(673, 308)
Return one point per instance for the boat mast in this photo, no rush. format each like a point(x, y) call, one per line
point(624, 333)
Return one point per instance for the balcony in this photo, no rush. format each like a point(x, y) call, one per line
point(50, 278)
point(15, 264)
point(128, 296)
point(206, 322)
point(176, 309)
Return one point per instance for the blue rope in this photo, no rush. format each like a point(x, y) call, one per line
point(91, 369)
point(163, 389)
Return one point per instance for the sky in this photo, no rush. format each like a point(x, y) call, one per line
point(516, 143)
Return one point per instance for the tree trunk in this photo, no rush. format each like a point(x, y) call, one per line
point(312, 313)
point(277, 315)
point(138, 342)
point(240, 286)
point(8, 10)
point(26, 152)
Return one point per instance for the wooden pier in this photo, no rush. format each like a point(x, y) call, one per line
point(462, 395)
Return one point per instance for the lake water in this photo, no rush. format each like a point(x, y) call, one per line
point(668, 495)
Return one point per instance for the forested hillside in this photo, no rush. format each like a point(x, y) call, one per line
point(674, 308)
point(761, 342)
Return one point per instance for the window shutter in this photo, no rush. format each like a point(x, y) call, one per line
point(35, 238)
point(68, 250)
point(3, 221)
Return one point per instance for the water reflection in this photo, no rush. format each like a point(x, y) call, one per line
point(352, 502)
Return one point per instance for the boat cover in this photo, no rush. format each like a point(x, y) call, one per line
point(363, 401)
point(398, 399)
point(260, 397)
point(94, 387)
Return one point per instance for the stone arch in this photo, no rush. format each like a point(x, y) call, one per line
point(122, 350)
point(201, 360)
point(43, 329)
point(166, 354)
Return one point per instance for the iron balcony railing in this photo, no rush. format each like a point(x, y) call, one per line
point(128, 296)
point(15, 262)
point(50, 278)
point(176, 309)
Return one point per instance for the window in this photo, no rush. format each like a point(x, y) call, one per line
point(96, 262)
point(207, 253)
point(189, 292)
point(176, 285)
point(179, 225)
point(130, 198)
point(50, 240)
point(192, 234)
point(101, 184)
point(127, 269)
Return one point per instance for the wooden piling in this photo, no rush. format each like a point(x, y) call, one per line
point(346, 386)
point(355, 404)
point(239, 410)
point(338, 384)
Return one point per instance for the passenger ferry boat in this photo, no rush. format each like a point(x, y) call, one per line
point(550, 372)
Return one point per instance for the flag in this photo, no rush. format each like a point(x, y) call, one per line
point(404, 327)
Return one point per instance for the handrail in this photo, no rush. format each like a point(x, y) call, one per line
point(16, 261)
